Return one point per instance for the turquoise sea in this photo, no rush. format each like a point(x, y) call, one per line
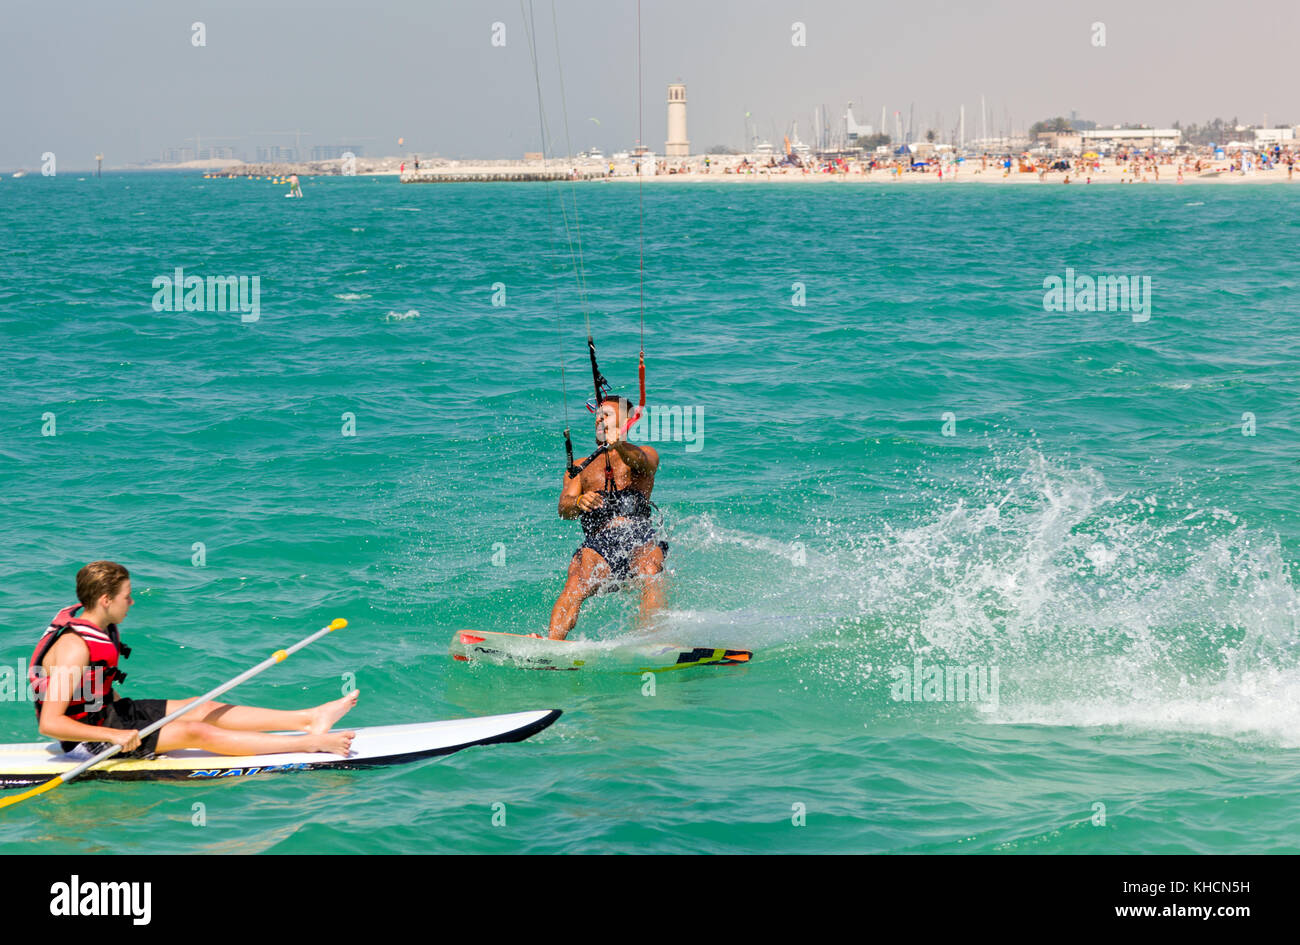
point(1098, 537)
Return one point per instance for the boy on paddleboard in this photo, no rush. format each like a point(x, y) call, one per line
point(612, 500)
point(75, 666)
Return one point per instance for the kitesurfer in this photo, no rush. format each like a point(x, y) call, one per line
point(612, 500)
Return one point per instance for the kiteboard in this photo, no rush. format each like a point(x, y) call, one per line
point(32, 763)
point(525, 652)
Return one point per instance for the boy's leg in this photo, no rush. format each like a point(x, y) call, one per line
point(224, 741)
point(245, 718)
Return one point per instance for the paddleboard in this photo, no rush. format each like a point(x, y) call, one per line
point(26, 764)
point(524, 652)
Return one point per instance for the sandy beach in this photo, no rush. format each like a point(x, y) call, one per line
point(991, 176)
point(733, 169)
point(746, 169)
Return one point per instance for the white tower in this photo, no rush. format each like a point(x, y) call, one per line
point(677, 145)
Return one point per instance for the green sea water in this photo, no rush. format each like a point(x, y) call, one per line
point(1098, 529)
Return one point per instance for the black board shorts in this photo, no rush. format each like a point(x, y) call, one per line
point(128, 714)
point(616, 543)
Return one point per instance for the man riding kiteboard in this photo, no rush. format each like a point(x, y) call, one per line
point(612, 501)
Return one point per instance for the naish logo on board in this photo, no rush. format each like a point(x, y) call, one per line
point(181, 293)
point(1102, 294)
point(241, 772)
point(920, 683)
point(103, 899)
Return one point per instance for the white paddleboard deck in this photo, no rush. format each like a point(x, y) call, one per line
point(26, 764)
point(513, 649)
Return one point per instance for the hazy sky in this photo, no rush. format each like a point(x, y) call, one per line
point(123, 77)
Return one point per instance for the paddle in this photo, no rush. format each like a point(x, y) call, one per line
point(276, 657)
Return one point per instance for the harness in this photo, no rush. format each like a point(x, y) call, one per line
point(96, 685)
point(603, 390)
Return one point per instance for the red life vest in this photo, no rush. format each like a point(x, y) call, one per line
point(97, 682)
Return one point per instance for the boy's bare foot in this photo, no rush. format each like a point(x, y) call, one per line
point(334, 743)
point(324, 716)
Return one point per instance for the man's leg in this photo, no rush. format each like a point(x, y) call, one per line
point(586, 570)
point(648, 564)
point(245, 718)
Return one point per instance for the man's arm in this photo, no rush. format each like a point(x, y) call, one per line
point(70, 658)
point(569, 496)
point(641, 460)
point(573, 501)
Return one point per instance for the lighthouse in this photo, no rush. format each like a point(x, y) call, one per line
point(677, 146)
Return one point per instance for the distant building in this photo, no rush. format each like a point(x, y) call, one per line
point(1061, 142)
point(332, 152)
point(1266, 136)
point(677, 145)
point(1110, 138)
point(644, 162)
point(221, 152)
point(274, 154)
point(852, 130)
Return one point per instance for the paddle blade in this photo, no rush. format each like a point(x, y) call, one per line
point(49, 785)
point(338, 623)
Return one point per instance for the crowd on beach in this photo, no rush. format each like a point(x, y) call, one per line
point(924, 163)
point(1133, 165)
